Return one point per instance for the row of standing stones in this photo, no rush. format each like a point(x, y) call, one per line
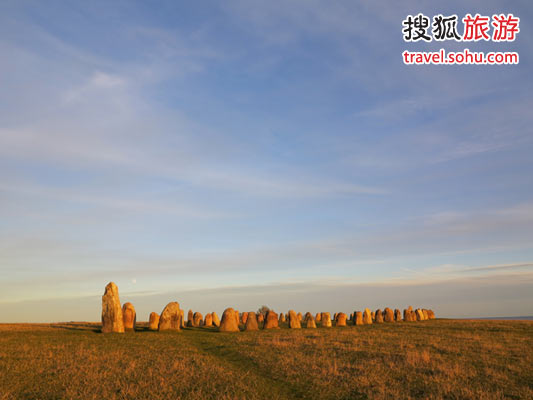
point(117, 318)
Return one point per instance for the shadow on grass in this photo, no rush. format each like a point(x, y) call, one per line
point(78, 326)
point(142, 327)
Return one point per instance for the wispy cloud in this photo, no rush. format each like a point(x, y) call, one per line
point(104, 121)
point(276, 142)
point(116, 204)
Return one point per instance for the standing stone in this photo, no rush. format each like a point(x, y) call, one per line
point(318, 317)
point(358, 319)
point(197, 319)
point(244, 317)
point(190, 319)
point(378, 317)
point(130, 316)
point(335, 317)
point(229, 321)
point(251, 322)
point(367, 317)
point(341, 319)
point(419, 314)
point(409, 315)
point(412, 314)
point(216, 320)
point(153, 323)
point(182, 318)
point(237, 317)
point(260, 318)
point(208, 321)
point(326, 320)
point(112, 319)
point(294, 321)
point(388, 315)
point(271, 320)
point(300, 317)
point(281, 318)
point(397, 315)
point(310, 321)
point(170, 318)
point(425, 312)
point(431, 314)
point(374, 316)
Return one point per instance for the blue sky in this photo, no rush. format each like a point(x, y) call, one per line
point(242, 153)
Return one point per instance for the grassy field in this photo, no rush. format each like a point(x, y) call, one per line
point(449, 359)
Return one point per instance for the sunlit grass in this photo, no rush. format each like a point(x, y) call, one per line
point(430, 359)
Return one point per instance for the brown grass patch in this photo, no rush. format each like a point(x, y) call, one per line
point(439, 359)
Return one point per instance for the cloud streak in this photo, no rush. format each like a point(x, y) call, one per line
point(274, 142)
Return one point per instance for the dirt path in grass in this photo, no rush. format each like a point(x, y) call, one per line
point(226, 351)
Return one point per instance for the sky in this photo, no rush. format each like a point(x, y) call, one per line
point(247, 153)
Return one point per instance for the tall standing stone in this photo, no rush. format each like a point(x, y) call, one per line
point(190, 319)
point(367, 317)
point(326, 320)
point(388, 315)
point(281, 318)
point(378, 317)
point(411, 315)
point(182, 318)
point(294, 320)
point(431, 314)
point(170, 318)
point(341, 319)
point(229, 321)
point(197, 319)
point(397, 315)
point(251, 322)
point(244, 317)
point(153, 323)
point(318, 317)
point(130, 316)
point(112, 318)
point(216, 320)
point(208, 321)
point(310, 321)
point(271, 320)
point(358, 318)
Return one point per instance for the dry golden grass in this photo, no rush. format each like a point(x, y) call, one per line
point(438, 359)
